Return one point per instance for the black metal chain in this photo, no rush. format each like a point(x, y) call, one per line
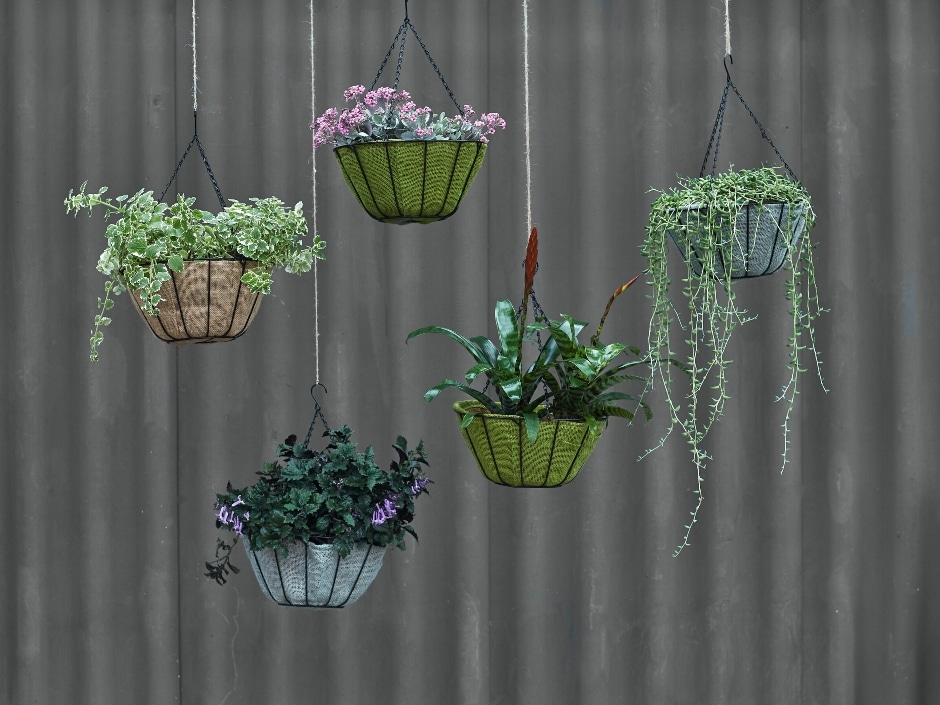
point(317, 414)
point(403, 33)
point(205, 161)
point(719, 122)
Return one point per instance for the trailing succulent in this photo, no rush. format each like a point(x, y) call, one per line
point(701, 215)
point(567, 379)
point(336, 496)
point(151, 238)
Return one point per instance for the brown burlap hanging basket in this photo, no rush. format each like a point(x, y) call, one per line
point(314, 575)
point(404, 182)
point(505, 455)
point(757, 245)
point(205, 303)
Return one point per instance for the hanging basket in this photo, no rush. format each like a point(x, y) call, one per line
point(505, 456)
point(205, 303)
point(404, 182)
point(314, 575)
point(758, 245)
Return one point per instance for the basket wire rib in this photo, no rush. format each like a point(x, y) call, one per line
point(326, 582)
point(205, 303)
point(401, 182)
point(505, 455)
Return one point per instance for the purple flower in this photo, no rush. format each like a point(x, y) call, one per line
point(383, 512)
point(419, 484)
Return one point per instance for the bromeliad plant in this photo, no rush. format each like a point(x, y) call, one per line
point(150, 239)
point(566, 380)
point(388, 114)
point(336, 496)
point(715, 222)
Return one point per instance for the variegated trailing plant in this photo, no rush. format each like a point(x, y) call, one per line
point(150, 239)
point(566, 380)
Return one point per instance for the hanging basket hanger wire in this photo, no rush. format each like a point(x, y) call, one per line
point(195, 139)
point(715, 138)
point(402, 34)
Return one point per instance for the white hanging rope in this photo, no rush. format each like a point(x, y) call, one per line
point(727, 29)
point(528, 153)
point(313, 187)
point(195, 76)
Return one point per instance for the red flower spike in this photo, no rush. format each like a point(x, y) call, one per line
point(531, 264)
point(610, 303)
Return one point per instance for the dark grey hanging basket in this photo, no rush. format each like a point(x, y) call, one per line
point(757, 245)
point(314, 575)
point(205, 303)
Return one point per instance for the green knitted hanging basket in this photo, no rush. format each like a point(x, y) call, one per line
point(404, 182)
point(505, 456)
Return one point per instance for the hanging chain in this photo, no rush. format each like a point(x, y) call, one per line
point(317, 414)
point(719, 122)
point(403, 33)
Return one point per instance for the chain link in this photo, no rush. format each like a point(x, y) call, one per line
point(719, 122)
point(205, 161)
point(317, 414)
point(403, 33)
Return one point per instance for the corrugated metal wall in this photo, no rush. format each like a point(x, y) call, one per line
point(817, 586)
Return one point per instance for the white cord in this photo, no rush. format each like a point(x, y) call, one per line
point(528, 152)
point(195, 77)
point(313, 187)
point(727, 29)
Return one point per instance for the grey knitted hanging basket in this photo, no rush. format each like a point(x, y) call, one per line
point(205, 303)
point(755, 246)
point(314, 575)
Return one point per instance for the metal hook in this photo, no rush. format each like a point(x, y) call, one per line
point(406, 9)
point(725, 61)
point(317, 413)
point(314, 397)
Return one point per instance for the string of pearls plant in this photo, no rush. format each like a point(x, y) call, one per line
point(732, 225)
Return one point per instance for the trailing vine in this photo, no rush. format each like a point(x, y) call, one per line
point(702, 217)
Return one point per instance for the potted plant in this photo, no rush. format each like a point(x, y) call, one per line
point(404, 163)
point(534, 425)
point(727, 227)
point(194, 276)
point(317, 523)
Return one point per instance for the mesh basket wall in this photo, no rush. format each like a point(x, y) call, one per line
point(312, 575)
point(205, 303)
point(757, 246)
point(412, 181)
point(505, 456)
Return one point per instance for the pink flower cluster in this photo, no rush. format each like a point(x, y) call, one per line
point(384, 113)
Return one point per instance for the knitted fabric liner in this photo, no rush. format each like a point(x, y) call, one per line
point(404, 182)
point(757, 247)
point(505, 456)
point(328, 581)
point(205, 303)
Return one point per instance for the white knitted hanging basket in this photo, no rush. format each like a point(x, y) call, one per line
point(314, 575)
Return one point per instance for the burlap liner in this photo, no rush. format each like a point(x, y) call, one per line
point(760, 240)
point(312, 575)
point(410, 181)
point(505, 456)
point(205, 303)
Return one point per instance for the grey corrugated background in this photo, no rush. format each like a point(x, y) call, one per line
point(820, 585)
